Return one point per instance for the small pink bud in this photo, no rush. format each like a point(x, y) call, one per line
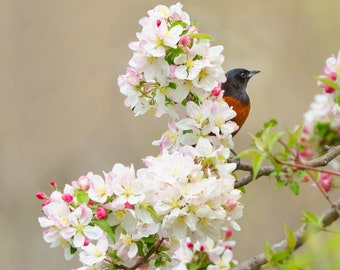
point(228, 233)
point(67, 197)
point(231, 204)
point(84, 183)
point(326, 182)
point(158, 23)
point(228, 247)
point(306, 178)
point(40, 195)
point(185, 40)
point(128, 205)
point(45, 202)
point(53, 184)
point(194, 29)
point(190, 245)
point(90, 202)
point(332, 76)
point(202, 248)
point(328, 89)
point(86, 242)
point(216, 90)
point(101, 213)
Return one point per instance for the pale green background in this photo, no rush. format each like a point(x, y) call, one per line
point(62, 114)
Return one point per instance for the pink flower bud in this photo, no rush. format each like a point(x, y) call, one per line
point(86, 242)
point(45, 203)
point(190, 245)
point(328, 89)
point(228, 247)
point(231, 204)
point(67, 197)
point(101, 213)
point(158, 23)
point(216, 90)
point(83, 183)
point(332, 76)
point(228, 233)
point(128, 205)
point(40, 195)
point(185, 40)
point(53, 184)
point(326, 182)
point(202, 248)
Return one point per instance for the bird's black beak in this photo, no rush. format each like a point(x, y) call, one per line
point(252, 73)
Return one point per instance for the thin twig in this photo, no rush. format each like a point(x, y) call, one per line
point(255, 263)
point(321, 161)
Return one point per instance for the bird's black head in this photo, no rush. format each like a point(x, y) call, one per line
point(236, 84)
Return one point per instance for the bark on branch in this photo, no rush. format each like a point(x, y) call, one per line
point(255, 263)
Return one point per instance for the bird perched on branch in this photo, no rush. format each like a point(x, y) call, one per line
point(235, 93)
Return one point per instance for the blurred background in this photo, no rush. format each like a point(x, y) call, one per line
point(62, 114)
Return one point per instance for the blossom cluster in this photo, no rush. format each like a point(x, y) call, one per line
point(112, 219)
point(172, 62)
point(322, 120)
point(179, 210)
point(330, 80)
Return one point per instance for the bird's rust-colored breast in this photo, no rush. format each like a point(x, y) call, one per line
point(242, 111)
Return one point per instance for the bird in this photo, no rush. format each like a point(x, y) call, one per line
point(235, 94)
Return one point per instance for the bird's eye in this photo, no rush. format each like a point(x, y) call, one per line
point(243, 75)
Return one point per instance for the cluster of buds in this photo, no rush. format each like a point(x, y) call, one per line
point(183, 201)
point(322, 121)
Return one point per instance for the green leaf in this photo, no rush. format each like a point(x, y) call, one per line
point(312, 219)
point(272, 140)
point(268, 252)
point(257, 163)
point(280, 256)
point(248, 153)
point(329, 82)
point(259, 143)
point(81, 196)
point(73, 250)
point(181, 23)
point(172, 54)
point(295, 188)
point(172, 85)
point(202, 36)
point(291, 240)
point(270, 123)
point(280, 183)
point(105, 226)
point(158, 261)
point(242, 189)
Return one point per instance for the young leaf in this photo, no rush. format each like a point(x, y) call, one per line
point(273, 138)
point(280, 256)
point(268, 252)
point(257, 163)
point(202, 36)
point(105, 226)
point(295, 188)
point(312, 219)
point(81, 196)
point(329, 82)
point(291, 240)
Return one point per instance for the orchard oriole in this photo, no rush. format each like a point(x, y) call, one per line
point(235, 93)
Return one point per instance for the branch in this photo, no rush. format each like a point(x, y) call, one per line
point(255, 263)
point(331, 154)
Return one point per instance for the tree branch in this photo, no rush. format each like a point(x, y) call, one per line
point(255, 263)
point(321, 161)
